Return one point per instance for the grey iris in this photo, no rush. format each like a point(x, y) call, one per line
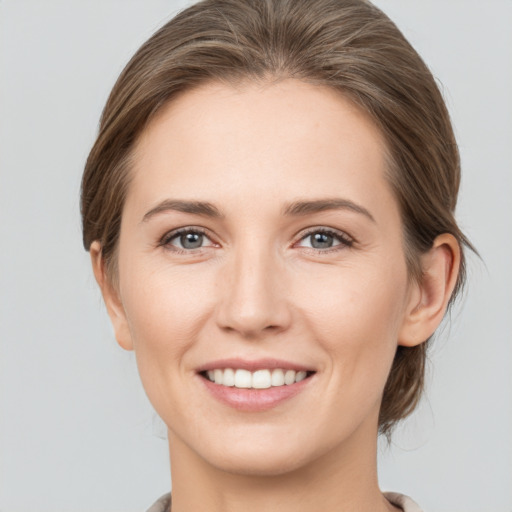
point(321, 240)
point(191, 240)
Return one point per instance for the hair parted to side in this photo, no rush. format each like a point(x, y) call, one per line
point(347, 45)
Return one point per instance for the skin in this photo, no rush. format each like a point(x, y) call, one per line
point(257, 289)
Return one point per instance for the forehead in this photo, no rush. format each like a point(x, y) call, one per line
point(218, 141)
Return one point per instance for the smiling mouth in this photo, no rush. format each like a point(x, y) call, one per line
point(259, 379)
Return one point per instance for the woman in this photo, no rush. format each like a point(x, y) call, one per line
point(269, 208)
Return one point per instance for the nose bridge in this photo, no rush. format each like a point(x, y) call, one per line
point(253, 298)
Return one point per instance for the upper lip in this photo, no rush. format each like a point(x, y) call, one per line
point(253, 365)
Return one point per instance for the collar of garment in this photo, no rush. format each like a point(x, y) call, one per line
point(163, 504)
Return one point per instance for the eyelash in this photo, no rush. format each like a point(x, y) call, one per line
point(344, 240)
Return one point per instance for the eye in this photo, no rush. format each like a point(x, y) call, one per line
point(186, 239)
point(324, 239)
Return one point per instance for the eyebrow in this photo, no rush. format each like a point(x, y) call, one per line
point(195, 207)
point(299, 208)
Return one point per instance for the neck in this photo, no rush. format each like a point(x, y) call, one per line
point(344, 479)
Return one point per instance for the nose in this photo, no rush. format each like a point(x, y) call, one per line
point(253, 295)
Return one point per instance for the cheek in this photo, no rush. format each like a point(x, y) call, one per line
point(166, 308)
point(355, 314)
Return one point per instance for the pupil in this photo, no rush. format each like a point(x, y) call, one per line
point(191, 240)
point(321, 240)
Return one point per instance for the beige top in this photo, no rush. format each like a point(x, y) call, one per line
point(399, 500)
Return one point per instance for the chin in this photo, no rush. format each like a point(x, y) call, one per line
point(263, 453)
point(260, 463)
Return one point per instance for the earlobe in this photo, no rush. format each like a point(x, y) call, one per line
point(429, 296)
point(111, 298)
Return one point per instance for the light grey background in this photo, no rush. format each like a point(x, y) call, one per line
point(76, 429)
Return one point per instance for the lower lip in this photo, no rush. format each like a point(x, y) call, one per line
point(254, 400)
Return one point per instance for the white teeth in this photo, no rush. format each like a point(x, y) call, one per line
point(300, 376)
point(289, 377)
point(229, 377)
point(278, 378)
point(243, 379)
point(260, 379)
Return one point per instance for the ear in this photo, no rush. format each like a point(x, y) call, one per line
point(429, 296)
point(111, 297)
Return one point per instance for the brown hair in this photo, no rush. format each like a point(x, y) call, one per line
point(347, 45)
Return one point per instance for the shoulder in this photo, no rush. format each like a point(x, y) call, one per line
point(402, 501)
point(163, 504)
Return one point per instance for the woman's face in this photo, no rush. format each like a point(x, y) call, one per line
point(261, 243)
